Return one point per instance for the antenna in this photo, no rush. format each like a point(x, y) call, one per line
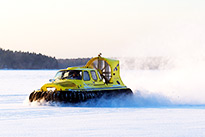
point(99, 55)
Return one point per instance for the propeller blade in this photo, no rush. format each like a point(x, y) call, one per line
point(104, 68)
point(106, 72)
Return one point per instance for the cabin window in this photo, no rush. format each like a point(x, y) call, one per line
point(93, 74)
point(75, 74)
point(99, 76)
point(69, 74)
point(86, 76)
point(58, 75)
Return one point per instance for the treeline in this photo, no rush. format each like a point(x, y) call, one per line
point(26, 60)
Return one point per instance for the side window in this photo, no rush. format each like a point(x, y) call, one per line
point(86, 76)
point(99, 76)
point(93, 74)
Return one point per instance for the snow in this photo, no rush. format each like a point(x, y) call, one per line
point(148, 113)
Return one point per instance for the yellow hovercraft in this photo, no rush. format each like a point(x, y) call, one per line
point(100, 77)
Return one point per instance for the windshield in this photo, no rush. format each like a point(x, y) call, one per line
point(69, 74)
point(58, 75)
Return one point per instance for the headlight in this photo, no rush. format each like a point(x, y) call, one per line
point(51, 89)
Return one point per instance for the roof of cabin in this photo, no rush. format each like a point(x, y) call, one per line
point(76, 68)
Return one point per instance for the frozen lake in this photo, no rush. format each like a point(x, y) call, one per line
point(162, 106)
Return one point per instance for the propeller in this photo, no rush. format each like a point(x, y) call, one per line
point(103, 68)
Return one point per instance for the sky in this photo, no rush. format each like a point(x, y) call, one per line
point(116, 28)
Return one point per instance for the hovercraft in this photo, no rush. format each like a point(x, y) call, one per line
point(100, 77)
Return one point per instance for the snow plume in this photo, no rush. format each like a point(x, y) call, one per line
point(181, 79)
point(145, 63)
point(138, 99)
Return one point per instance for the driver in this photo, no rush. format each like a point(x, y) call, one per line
point(75, 75)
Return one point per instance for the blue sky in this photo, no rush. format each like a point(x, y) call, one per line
point(83, 28)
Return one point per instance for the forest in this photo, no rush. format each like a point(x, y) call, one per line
point(25, 60)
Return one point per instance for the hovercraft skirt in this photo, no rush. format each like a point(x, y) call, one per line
point(77, 96)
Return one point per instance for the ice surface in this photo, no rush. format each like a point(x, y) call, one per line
point(150, 112)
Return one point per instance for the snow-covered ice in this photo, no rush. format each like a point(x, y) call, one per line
point(155, 110)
